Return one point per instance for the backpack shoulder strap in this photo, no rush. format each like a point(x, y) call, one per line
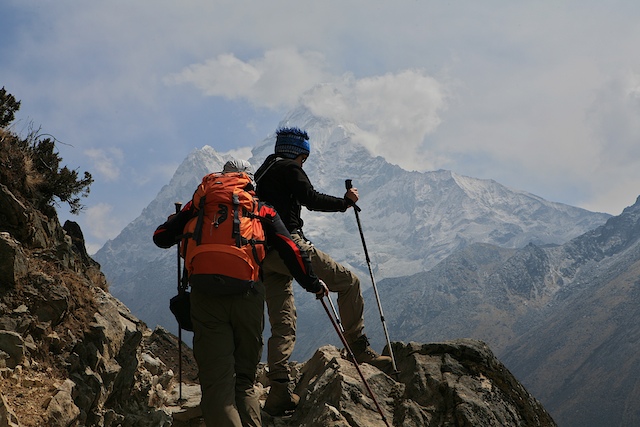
point(273, 161)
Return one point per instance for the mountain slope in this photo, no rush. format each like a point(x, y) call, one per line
point(586, 361)
point(563, 318)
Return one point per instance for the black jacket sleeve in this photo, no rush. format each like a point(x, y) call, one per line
point(296, 260)
point(167, 234)
point(313, 200)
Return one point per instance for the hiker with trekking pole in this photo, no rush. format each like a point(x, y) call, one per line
point(223, 233)
point(282, 182)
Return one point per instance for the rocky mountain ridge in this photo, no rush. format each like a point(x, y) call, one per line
point(594, 373)
point(563, 318)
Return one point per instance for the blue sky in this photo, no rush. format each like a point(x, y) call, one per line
point(540, 96)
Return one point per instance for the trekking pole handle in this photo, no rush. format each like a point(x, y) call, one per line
point(178, 206)
point(348, 185)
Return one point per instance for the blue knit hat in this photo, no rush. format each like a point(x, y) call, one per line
point(291, 142)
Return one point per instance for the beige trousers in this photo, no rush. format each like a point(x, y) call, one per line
point(278, 284)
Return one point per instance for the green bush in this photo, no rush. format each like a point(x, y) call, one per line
point(31, 166)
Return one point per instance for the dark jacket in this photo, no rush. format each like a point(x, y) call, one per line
point(284, 185)
point(277, 236)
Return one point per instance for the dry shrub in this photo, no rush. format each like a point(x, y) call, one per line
point(32, 179)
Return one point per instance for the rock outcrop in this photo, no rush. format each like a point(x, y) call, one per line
point(453, 383)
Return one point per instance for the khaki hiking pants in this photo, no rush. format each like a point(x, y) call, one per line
point(227, 345)
point(278, 284)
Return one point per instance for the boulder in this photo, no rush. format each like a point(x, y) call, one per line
point(12, 344)
point(7, 417)
point(61, 410)
point(13, 261)
point(14, 216)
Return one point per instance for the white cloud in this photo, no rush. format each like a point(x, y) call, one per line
point(225, 76)
point(615, 121)
point(101, 224)
point(106, 161)
point(275, 80)
point(396, 109)
point(540, 101)
point(615, 117)
point(242, 153)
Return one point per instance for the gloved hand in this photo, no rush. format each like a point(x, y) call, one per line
point(322, 292)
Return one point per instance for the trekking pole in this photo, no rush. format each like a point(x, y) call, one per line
point(357, 209)
point(353, 359)
point(178, 206)
point(335, 313)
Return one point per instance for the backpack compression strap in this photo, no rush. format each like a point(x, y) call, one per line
point(197, 231)
point(236, 221)
point(254, 242)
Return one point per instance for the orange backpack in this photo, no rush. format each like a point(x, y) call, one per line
point(224, 244)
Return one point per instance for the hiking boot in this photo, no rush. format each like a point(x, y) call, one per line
point(280, 400)
point(365, 354)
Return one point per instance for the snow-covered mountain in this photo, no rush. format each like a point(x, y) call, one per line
point(411, 220)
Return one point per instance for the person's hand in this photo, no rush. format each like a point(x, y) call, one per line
point(352, 195)
point(324, 292)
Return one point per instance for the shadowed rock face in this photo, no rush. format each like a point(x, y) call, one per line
point(441, 384)
point(70, 353)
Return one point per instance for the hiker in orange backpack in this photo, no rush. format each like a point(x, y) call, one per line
point(223, 232)
point(282, 182)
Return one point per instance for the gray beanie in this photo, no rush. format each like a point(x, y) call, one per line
point(237, 165)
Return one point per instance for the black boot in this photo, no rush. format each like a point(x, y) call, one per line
point(280, 400)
